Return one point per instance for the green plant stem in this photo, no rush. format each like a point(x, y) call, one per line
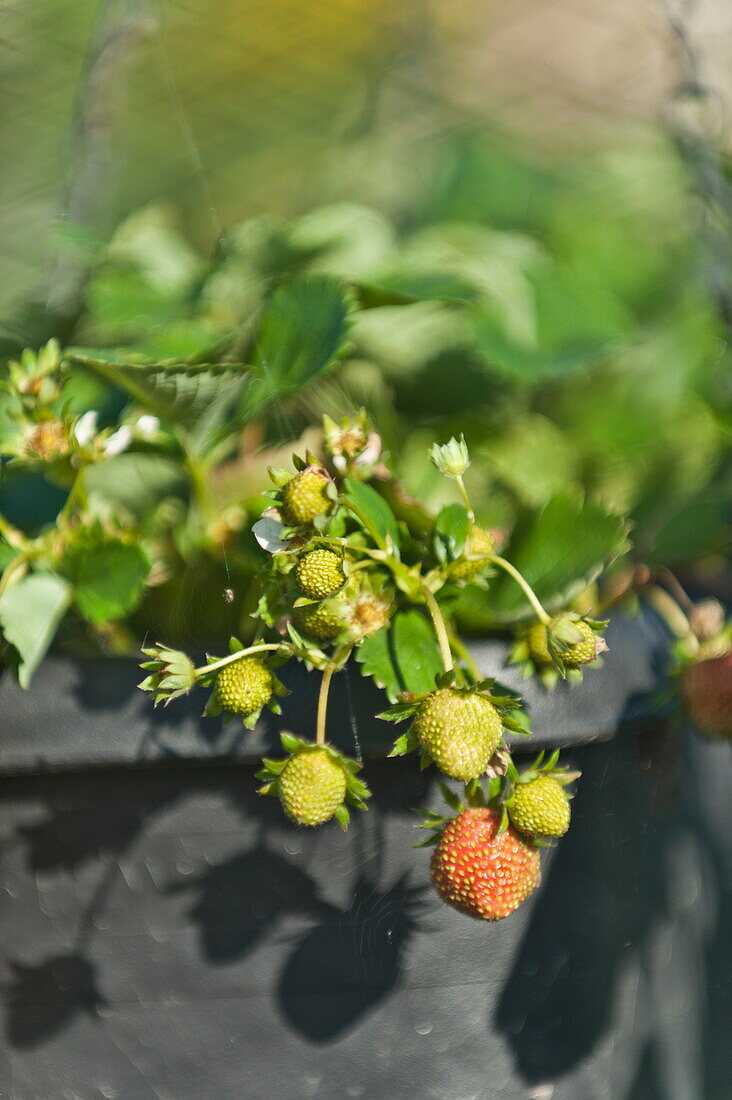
point(677, 622)
point(438, 622)
point(523, 584)
point(466, 498)
point(339, 660)
point(215, 665)
point(375, 535)
point(459, 647)
point(323, 704)
point(21, 562)
point(344, 544)
point(11, 534)
point(76, 496)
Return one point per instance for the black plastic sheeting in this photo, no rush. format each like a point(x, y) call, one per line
point(166, 934)
point(83, 712)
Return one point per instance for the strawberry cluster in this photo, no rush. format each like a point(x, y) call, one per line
point(352, 568)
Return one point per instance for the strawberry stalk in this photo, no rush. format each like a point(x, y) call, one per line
point(443, 639)
point(375, 534)
point(204, 670)
point(333, 666)
point(459, 647)
point(466, 499)
point(521, 581)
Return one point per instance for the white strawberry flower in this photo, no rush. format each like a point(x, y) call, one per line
point(118, 441)
point(85, 428)
point(146, 426)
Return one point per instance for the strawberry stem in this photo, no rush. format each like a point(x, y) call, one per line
point(531, 596)
point(466, 498)
point(215, 665)
point(441, 634)
point(335, 665)
point(375, 534)
point(667, 607)
point(459, 647)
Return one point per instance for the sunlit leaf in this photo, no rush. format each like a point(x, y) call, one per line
point(30, 612)
point(404, 656)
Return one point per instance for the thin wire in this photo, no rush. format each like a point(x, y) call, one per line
point(229, 594)
point(352, 717)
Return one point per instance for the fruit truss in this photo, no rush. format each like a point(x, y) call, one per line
point(342, 567)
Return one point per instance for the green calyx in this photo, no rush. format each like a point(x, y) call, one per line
point(560, 648)
point(171, 673)
point(477, 794)
point(476, 557)
point(314, 783)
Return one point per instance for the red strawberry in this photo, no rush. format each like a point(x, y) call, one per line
point(480, 871)
point(706, 687)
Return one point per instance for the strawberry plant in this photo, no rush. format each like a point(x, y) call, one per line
point(144, 444)
point(349, 574)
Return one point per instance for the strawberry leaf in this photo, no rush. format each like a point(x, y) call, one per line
point(403, 656)
point(451, 531)
point(375, 510)
point(30, 611)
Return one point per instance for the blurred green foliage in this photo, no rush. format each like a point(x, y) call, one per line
point(560, 316)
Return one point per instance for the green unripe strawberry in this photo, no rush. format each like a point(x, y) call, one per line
point(306, 496)
point(478, 548)
point(319, 574)
point(540, 807)
point(321, 621)
point(459, 730)
point(311, 787)
point(574, 656)
point(536, 638)
point(244, 686)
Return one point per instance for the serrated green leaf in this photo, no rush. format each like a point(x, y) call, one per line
point(303, 332)
point(374, 507)
point(199, 400)
point(451, 531)
point(403, 656)
point(30, 612)
point(416, 650)
point(107, 577)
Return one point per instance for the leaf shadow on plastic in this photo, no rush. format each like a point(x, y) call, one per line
point(348, 964)
point(238, 902)
point(607, 904)
point(43, 998)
